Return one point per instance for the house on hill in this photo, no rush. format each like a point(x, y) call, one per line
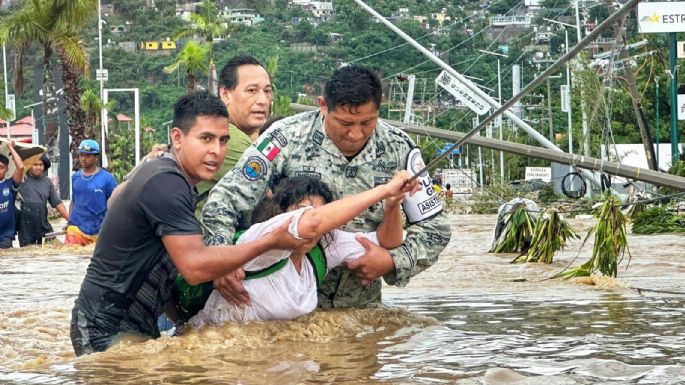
point(322, 11)
point(244, 16)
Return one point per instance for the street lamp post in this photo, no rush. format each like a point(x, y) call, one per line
point(656, 80)
point(167, 124)
point(103, 112)
point(4, 68)
point(583, 110)
point(569, 117)
point(673, 71)
point(499, 99)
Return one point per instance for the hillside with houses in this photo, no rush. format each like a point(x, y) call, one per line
point(303, 41)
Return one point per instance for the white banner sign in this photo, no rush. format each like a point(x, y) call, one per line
point(680, 49)
point(462, 93)
point(681, 107)
point(542, 173)
point(11, 104)
point(661, 17)
point(101, 75)
point(565, 99)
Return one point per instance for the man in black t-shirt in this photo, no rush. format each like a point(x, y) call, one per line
point(150, 234)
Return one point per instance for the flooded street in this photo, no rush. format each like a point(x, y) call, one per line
point(473, 318)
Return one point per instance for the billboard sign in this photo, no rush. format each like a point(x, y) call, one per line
point(467, 97)
point(661, 17)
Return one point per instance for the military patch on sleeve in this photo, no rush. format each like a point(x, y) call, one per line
point(254, 168)
point(317, 137)
point(269, 149)
point(278, 137)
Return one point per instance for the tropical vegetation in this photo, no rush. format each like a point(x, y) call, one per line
point(308, 50)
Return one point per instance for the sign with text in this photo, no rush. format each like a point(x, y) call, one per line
point(101, 75)
point(11, 104)
point(565, 98)
point(680, 49)
point(542, 173)
point(467, 97)
point(661, 17)
point(681, 106)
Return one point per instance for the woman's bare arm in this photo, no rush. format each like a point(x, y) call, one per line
point(321, 220)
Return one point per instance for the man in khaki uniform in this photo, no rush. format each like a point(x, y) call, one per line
point(245, 88)
point(346, 146)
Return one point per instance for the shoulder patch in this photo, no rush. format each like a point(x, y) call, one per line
point(254, 168)
point(268, 148)
point(278, 137)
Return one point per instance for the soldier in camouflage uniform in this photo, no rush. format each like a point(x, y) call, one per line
point(346, 146)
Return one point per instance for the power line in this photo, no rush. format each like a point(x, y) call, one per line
point(428, 34)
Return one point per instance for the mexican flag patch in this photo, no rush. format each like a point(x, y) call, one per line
point(269, 149)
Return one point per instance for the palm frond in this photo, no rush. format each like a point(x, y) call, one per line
point(611, 242)
point(73, 52)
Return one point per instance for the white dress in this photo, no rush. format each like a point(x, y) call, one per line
point(287, 293)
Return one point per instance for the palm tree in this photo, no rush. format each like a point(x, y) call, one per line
point(4, 112)
point(92, 106)
point(209, 26)
point(192, 58)
point(281, 103)
point(54, 25)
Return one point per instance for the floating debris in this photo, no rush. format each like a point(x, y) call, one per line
point(549, 236)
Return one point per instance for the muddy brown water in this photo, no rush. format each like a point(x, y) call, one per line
point(472, 318)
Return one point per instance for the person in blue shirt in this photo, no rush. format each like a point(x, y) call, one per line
point(8, 192)
point(91, 188)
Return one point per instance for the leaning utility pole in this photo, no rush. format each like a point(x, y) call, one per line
point(583, 103)
point(620, 35)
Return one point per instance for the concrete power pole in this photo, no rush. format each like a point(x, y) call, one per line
point(619, 34)
point(583, 104)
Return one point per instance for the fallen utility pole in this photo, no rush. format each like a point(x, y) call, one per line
point(585, 162)
point(504, 109)
point(620, 36)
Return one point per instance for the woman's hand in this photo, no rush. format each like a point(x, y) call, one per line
point(400, 184)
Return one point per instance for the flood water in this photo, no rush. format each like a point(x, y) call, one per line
point(472, 318)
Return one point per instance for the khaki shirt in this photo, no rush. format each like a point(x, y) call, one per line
point(298, 145)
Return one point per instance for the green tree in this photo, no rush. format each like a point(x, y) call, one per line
point(4, 112)
point(54, 26)
point(209, 26)
point(193, 59)
point(92, 107)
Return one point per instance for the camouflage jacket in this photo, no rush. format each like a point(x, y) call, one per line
point(298, 145)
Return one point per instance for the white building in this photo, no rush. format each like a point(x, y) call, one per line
point(245, 16)
point(321, 10)
point(185, 10)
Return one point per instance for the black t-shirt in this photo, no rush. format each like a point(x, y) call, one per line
point(156, 201)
